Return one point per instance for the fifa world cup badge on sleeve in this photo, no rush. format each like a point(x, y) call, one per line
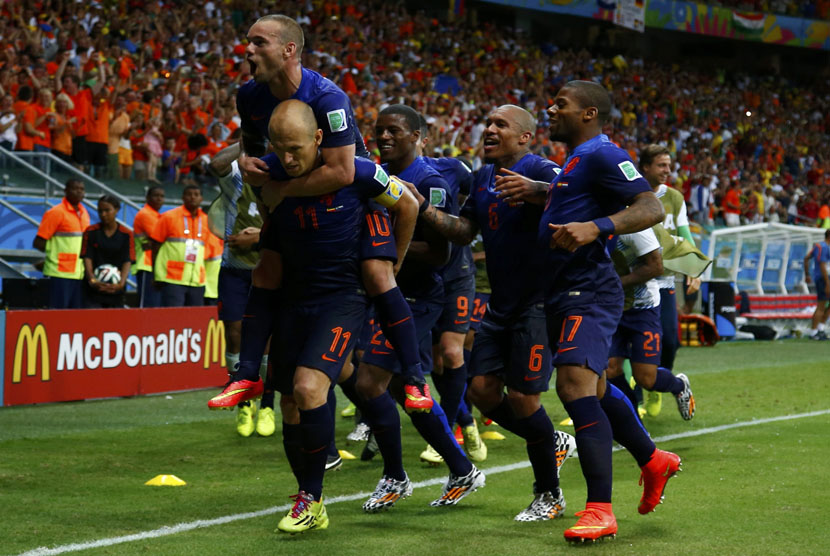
point(629, 170)
point(337, 120)
point(437, 197)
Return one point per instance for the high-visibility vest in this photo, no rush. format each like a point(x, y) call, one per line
point(63, 229)
point(181, 257)
point(213, 263)
point(143, 225)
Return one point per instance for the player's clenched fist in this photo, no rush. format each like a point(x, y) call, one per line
point(572, 236)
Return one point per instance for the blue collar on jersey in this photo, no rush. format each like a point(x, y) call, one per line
point(591, 144)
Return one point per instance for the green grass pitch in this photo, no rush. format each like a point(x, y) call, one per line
point(72, 477)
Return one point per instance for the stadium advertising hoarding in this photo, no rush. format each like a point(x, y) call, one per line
point(692, 17)
point(53, 356)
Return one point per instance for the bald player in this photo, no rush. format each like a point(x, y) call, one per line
point(323, 302)
point(510, 351)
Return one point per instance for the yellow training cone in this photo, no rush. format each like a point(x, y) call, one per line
point(567, 423)
point(165, 480)
point(345, 454)
point(492, 435)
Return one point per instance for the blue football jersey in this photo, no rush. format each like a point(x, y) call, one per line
point(459, 178)
point(513, 257)
point(418, 280)
point(598, 180)
point(319, 236)
point(330, 104)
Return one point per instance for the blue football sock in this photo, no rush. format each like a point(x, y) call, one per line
point(623, 386)
point(331, 403)
point(593, 440)
point(454, 383)
point(504, 417)
point(465, 416)
point(257, 325)
point(349, 388)
point(628, 431)
point(293, 445)
point(381, 414)
point(317, 429)
point(667, 382)
point(541, 449)
point(395, 319)
point(434, 429)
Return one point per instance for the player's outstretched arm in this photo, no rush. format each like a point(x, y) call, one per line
point(651, 266)
point(516, 188)
point(457, 229)
point(406, 216)
point(336, 173)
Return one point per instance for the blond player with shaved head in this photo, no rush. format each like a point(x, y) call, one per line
point(275, 43)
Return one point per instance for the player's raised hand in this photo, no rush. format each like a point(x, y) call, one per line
point(254, 170)
point(412, 189)
point(515, 188)
point(572, 236)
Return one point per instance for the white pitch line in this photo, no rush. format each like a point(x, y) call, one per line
point(200, 523)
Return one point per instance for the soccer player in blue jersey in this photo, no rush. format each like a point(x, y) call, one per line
point(274, 49)
point(324, 305)
point(820, 255)
point(510, 349)
point(398, 131)
point(598, 193)
point(449, 372)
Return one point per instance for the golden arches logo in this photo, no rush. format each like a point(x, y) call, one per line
point(214, 343)
point(31, 340)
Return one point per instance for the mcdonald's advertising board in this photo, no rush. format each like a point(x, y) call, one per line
point(53, 356)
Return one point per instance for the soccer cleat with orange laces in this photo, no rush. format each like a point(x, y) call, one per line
point(418, 399)
point(596, 522)
point(237, 392)
point(654, 476)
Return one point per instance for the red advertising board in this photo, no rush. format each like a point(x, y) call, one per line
point(53, 356)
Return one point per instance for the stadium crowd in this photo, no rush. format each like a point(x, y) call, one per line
point(147, 91)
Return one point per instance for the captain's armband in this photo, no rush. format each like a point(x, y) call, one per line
point(393, 192)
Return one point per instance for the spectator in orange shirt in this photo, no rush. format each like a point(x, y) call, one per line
point(99, 132)
point(732, 205)
point(44, 121)
point(119, 128)
point(26, 115)
point(62, 132)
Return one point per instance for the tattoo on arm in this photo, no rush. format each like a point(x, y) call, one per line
point(644, 212)
point(458, 229)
